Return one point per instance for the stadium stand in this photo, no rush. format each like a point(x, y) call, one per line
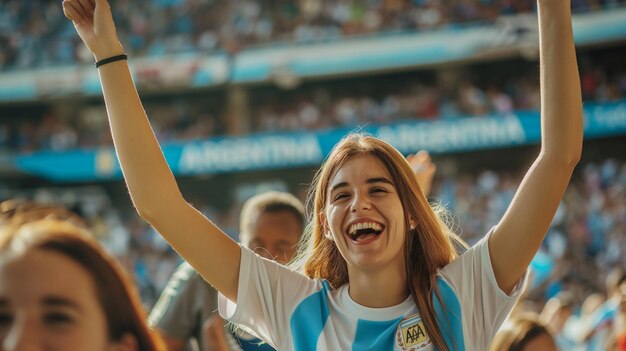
point(253, 93)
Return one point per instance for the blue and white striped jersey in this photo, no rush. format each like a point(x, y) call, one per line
point(292, 312)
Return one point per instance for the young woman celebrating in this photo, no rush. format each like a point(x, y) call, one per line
point(379, 270)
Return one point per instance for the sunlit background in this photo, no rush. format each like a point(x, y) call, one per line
point(249, 96)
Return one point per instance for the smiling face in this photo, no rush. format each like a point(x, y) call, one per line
point(49, 302)
point(365, 216)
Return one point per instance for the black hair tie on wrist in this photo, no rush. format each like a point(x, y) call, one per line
point(111, 59)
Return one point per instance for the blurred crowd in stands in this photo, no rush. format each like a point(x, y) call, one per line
point(479, 91)
point(576, 275)
point(585, 243)
point(587, 240)
point(35, 33)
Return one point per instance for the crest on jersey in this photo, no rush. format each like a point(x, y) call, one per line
point(411, 334)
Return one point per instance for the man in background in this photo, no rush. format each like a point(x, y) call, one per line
point(270, 224)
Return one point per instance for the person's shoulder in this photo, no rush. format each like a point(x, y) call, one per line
point(184, 271)
point(186, 276)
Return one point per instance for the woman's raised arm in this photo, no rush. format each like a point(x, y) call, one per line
point(152, 186)
point(517, 237)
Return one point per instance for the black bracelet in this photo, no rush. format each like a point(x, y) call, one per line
point(111, 59)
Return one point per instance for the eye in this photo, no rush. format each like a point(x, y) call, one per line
point(58, 318)
point(378, 190)
point(5, 319)
point(340, 196)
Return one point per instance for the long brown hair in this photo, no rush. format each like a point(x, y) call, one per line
point(429, 247)
point(28, 226)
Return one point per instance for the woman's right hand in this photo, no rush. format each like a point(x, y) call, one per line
point(151, 183)
point(94, 24)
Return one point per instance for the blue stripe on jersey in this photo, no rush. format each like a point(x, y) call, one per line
point(449, 318)
point(375, 335)
point(308, 319)
point(253, 344)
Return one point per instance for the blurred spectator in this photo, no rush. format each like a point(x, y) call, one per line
point(524, 332)
point(271, 225)
point(556, 312)
point(58, 287)
point(604, 326)
point(620, 322)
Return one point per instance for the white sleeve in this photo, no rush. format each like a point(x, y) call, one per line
point(484, 306)
point(267, 294)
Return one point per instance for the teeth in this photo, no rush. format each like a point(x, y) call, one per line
point(364, 225)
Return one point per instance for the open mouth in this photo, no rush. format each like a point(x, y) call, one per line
point(365, 230)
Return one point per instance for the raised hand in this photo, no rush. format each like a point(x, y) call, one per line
point(424, 170)
point(151, 183)
point(94, 24)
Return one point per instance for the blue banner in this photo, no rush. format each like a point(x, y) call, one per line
point(289, 150)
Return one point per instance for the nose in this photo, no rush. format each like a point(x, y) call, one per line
point(22, 337)
point(360, 202)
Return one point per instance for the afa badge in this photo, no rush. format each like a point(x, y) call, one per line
point(411, 334)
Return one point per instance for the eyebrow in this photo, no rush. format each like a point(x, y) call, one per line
point(369, 181)
point(57, 301)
